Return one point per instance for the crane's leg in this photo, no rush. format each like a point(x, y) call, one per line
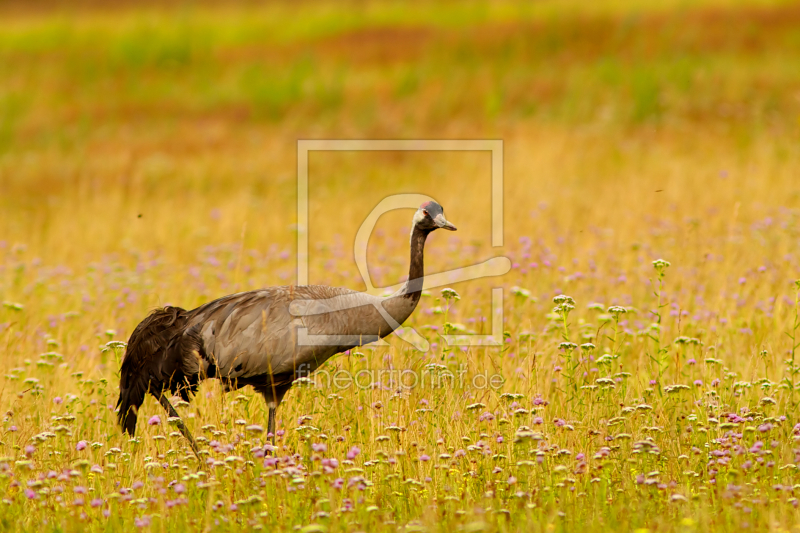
point(272, 396)
point(181, 426)
point(271, 424)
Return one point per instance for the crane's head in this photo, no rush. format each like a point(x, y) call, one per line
point(430, 216)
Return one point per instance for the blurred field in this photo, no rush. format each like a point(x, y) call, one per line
point(148, 156)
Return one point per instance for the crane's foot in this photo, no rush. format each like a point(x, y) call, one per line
point(164, 401)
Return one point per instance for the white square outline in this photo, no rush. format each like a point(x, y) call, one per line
point(494, 146)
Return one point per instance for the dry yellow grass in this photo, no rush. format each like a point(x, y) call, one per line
point(149, 157)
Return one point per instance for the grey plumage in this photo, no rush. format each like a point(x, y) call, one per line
point(258, 338)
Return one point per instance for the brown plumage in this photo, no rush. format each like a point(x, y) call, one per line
point(257, 338)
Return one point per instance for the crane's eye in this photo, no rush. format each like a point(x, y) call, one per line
point(425, 213)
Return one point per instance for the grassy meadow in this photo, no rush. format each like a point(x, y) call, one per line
point(148, 156)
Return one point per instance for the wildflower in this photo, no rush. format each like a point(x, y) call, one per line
point(698, 383)
point(81, 445)
point(137, 485)
point(563, 299)
point(424, 458)
point(353, 453)
point(660, 265)
point(30, 494)
point(563, 309)
point(519, 291)
point(338, 483)
point(29, 450)
point(57, 400)
point(319, 447)
point(450, 294)
point(97, 502)
point(616, 310)
point(179, 488)
point(154, 421)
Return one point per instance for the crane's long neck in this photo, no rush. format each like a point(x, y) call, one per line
point(416, 268)
point(403, 302)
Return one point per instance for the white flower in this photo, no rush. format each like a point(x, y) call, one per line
point(450, 294)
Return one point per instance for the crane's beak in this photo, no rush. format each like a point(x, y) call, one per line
point(441, 222)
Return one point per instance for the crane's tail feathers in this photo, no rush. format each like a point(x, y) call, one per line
point(129, 404)
point(149, 362)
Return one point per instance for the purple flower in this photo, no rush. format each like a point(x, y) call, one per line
point(353, 453)
point(179, 488)
point(81, 445)
point(97, 502)
point(29, 450)
point(137, 485)
point(698, 383)
point(424, 457)
point(338, 483)
point(154, 420)
point(57, 400)
point(142, 522)
point(30, 494)
point(321, 447)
